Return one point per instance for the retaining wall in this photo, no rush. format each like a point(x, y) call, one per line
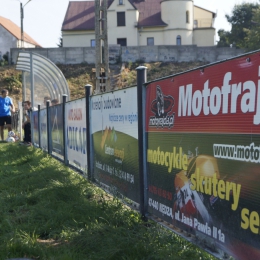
point(77, 55)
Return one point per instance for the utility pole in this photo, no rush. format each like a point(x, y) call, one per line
point(22, 46)
point(22, 16)
point(22, 37)
point(102, 65)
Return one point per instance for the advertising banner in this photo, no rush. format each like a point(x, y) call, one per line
point(115, 140)
point(43, 123)
point(203, 155)
point(56, 117)
point(76, 133)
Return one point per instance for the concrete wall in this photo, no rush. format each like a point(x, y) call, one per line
point(177, 53)
point(147, 54)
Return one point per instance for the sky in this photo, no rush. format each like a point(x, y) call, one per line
point(43, 18)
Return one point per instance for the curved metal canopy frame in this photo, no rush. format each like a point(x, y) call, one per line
point(46, 82)
point(47, 79)
point(46, 70)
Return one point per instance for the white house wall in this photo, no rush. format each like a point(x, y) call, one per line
point(7, 41)
point(203, 17)
point(170, 37)
point(174, 14)
point(77, 39)
point(128, 31)
point(152, 33)
point(204, 37)
point(25, 44)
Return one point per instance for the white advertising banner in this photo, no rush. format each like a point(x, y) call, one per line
point(76, 133)
point(114, 127)
point(117, 109)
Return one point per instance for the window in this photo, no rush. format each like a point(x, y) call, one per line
point(122, 41)
point(120, 2)
point(120, 18)
point(187, 17)
point(92, 43)
point(178, 40)
point(150, 41)
point(195, 23)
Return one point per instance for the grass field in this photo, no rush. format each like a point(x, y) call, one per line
point(48, 211)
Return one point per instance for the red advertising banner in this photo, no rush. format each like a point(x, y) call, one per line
point(222, 98)
point(203, 154)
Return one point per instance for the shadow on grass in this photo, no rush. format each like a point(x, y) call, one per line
point(50, 212)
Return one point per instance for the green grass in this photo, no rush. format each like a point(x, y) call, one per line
point(48, 211)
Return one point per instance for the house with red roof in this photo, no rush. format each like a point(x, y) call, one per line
point(10, 37)
point(141, 23)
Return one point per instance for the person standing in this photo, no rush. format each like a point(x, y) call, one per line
point(6, 108)
point(27, 124)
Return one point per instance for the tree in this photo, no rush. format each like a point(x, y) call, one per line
point(252, 38)
point(223, 38)
point(240, 19)
point(60, 44)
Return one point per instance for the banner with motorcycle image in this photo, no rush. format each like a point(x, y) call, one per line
point(115, 141)
point(203, 154)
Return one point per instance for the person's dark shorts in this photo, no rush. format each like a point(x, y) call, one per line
point(5, 119)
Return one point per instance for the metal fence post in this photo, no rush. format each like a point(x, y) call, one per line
point(39, 127)
point(48, 127)
point(20, 111)
point(32, 97)
point(141, 79)
point(64, 123)
point(88, 91)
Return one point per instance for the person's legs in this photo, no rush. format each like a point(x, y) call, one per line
point(8, 120)
point(2, 132)
point(9, 127)
point(27, 132)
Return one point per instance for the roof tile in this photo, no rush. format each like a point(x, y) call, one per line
point(80, 16)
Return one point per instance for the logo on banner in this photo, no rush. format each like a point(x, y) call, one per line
point(162, 108)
